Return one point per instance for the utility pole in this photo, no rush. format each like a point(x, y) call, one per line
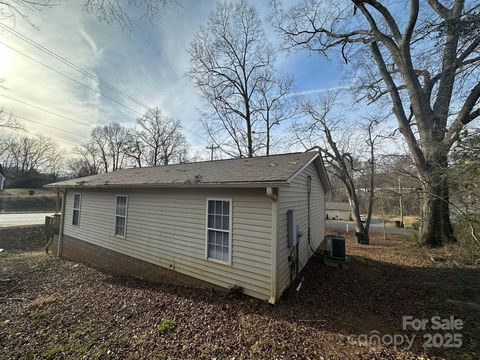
point(400, 192)
point(212, 148)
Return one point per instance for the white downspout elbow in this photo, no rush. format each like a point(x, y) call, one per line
point(271, 194)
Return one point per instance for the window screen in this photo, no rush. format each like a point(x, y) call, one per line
point(76, 210)
point(218, 229)
point(121, 215)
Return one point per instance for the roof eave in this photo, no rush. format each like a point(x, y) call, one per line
point(172, 185)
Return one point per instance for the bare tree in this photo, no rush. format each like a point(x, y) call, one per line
point(111, 11)
point(159, 139)
point(100, 143)
point(87, 162)
point(323, 131)
point(370, 141)
point(119, 12)
point(14, 8)
point(276, 103)
point(9, 121)
point(230, 58)
point(27, 154)
point(118, 140)
point(56, 166)
point(136, 151)
point(112, 143)
point(425, 58)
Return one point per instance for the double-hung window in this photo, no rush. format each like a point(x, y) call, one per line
point(121, 216)
point(76, 209)
point(219, 232)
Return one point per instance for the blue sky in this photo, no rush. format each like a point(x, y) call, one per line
point(148, 63)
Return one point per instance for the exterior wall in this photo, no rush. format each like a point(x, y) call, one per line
point(338, 214)
point(167, 227)
point(295, 197)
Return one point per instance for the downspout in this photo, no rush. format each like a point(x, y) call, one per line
point(309, 192)
point(62, 223)
point(309, 211)
point(274, 272)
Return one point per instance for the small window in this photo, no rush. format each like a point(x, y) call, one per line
point(219, 229)
point(76, 210)
point(121, 216)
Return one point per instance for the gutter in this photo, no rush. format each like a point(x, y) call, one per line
point(170, 185)
point(62, 225)
point(270, 192)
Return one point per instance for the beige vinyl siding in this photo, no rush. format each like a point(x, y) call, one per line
point(167, 227)
point(295, 197)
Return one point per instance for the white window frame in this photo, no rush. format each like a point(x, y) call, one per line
point(230, 229)
point(79, 208)
point(115, 218)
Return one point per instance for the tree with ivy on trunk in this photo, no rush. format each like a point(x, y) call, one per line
point(425, 56)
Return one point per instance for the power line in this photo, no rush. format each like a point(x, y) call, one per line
point(71, 78)
point(72, 65)
point(212, 148)
point(46, 110)
point(67, 62)
point(68, 118)
point(50, 126)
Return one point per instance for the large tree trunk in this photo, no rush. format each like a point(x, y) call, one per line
point(436, 228)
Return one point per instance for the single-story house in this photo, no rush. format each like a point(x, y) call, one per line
point(338, 210)
point(226, 222)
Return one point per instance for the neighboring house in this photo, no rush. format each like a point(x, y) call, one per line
point(223, 222)
point(338, 211)
point(2, 178)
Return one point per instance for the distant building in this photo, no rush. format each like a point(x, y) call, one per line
point(338, 211)
point(2, 178)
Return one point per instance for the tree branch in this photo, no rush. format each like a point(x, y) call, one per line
point(465, 116)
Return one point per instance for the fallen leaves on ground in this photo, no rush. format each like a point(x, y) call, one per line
point(54, 308)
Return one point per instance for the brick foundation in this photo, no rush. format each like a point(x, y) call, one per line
point(113, 262)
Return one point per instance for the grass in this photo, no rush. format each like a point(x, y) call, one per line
point(166, 325)
point(53, 352)
point(23, 203)
point(24, 192)
point(42, 300)
point(97, 315)
point(408, 220)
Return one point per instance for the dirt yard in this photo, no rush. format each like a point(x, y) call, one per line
point(59, 309)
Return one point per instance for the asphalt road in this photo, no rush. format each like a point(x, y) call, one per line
point(376, 226)
point(16, 219)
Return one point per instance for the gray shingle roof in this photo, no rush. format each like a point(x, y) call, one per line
point(275, 169)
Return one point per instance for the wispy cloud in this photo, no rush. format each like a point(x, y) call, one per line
point(149, 64)
point(319, 91)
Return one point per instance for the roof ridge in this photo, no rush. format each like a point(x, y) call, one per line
point(260, 169)
point(218, 160)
